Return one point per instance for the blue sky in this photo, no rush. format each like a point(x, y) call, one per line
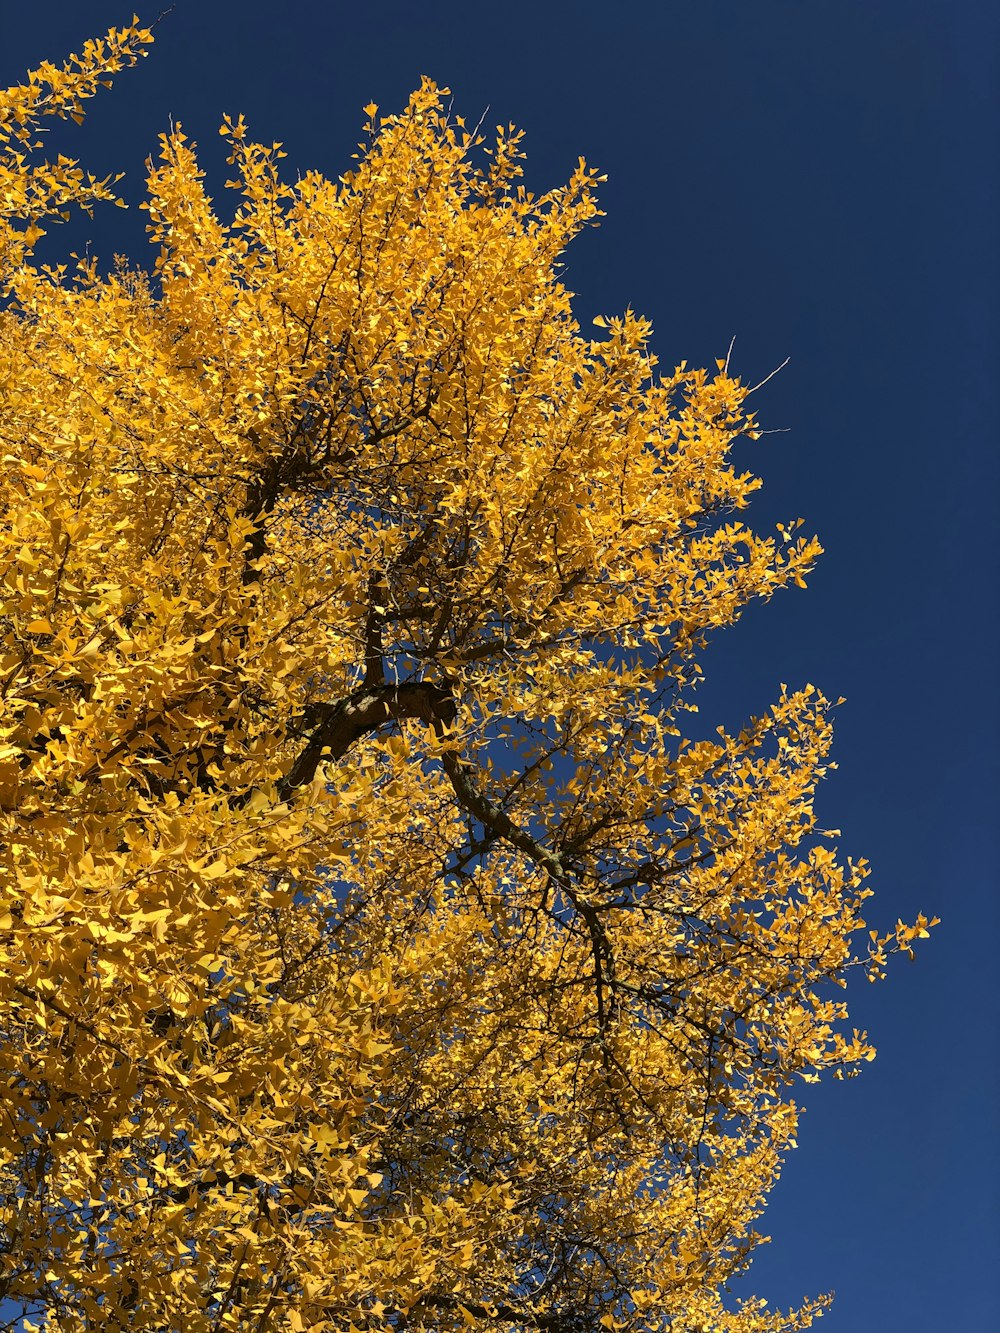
point(820, 181)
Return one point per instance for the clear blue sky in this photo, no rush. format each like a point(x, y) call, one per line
point(819, 180)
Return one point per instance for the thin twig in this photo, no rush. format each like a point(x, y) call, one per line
point(768, 377)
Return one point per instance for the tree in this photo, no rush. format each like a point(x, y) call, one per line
point(378, 950)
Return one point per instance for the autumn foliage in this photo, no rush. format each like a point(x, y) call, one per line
point(378, 951)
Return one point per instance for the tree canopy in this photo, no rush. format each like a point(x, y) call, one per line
point(381, 949)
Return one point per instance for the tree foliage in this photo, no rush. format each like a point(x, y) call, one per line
point(378, 950)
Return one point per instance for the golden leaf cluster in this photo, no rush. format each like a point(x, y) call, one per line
point(378, 951)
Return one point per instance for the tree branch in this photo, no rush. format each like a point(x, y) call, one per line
point(364, 711)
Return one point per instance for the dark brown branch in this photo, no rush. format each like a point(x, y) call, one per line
point(378, 596)
point(554, 1321)
point(364, 711)
point(498, 822)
